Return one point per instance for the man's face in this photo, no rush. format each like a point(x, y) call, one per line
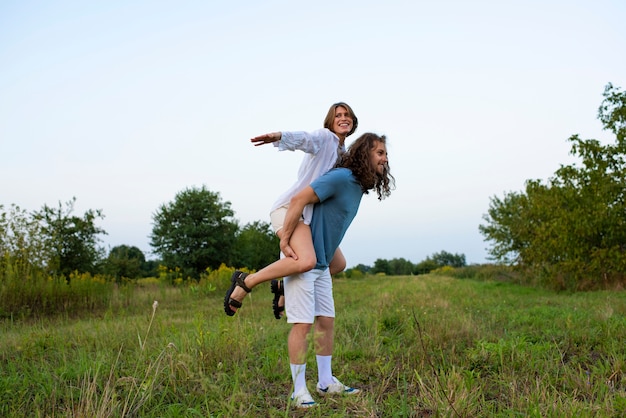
point(342, 124)
point(378, 158)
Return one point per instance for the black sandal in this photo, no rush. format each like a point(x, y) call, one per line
point(237, 279)
point(278, 290)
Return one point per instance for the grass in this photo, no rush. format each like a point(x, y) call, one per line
point(422, 346)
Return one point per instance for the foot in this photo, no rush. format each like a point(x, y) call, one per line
point(235, 294)
point(281, 305)
point(278, 303)
point(303, 400)
point(336, 388)
point(238, 295)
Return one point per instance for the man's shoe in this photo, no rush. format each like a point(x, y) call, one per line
point(303, 400)
point(337, 388)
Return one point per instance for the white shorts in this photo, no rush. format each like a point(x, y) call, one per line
point(277, 218)
point(309, 295)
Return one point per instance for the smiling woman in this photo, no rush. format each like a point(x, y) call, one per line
point(322, 149)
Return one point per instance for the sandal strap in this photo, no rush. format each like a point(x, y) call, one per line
point(241, 283)
point(235, 303)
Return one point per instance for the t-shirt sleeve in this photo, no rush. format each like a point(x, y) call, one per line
point(328, 184)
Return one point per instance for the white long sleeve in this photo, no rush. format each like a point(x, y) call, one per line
point(320, 148)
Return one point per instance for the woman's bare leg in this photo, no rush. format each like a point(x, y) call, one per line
point(338, 263)
point(302, 243)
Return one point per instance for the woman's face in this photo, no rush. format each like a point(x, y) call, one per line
point(342, 124)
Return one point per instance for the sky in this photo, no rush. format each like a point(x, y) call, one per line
point(124, 104)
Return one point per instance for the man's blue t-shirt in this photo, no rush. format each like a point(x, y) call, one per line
point(340, 196)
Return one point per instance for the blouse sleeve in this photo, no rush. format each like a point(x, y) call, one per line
point(309, 142)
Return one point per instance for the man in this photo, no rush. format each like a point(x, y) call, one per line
point(309, 298)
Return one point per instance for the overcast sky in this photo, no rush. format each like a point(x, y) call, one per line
point(123, 104)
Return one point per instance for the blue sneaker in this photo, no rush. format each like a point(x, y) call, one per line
point(337, 388)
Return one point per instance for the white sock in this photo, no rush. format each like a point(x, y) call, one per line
point(324, 371)
point(298, 372)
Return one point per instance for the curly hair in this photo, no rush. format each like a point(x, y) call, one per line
point(357, 159)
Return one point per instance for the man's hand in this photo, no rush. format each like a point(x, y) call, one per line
point(287, 250)
point(292, 217)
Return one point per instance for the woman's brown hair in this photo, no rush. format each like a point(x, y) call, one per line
point(330, 117)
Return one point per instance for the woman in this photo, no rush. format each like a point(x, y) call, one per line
point(322, 149)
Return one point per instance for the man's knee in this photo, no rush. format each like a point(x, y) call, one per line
point(300, 328)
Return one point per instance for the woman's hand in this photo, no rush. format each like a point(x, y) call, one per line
point(266, 138)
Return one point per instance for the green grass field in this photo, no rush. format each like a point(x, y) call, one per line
point(422, 346)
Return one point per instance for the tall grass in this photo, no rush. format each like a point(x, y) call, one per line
point(417, 346)
point(41, 295)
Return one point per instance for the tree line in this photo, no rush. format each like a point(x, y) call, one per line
point(194, 232)
point(404, 267)
point(569, 232)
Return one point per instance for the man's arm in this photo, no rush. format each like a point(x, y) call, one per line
point(294, 213)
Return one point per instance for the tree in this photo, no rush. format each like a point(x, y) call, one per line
point(362, 268)
point(425, 266)
point(71, 240)
point(381, 266)
point(125, 262)
point(505, 227)
point(445, 258)
point(150, 268)
point(257, 245)
point(23, 249)
point(571, 229)
point(400, 267)
point(194, 232)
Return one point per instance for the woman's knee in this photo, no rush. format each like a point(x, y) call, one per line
point(306, 263)
point(338, 263)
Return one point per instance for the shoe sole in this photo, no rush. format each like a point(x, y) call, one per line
point(344, 393)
